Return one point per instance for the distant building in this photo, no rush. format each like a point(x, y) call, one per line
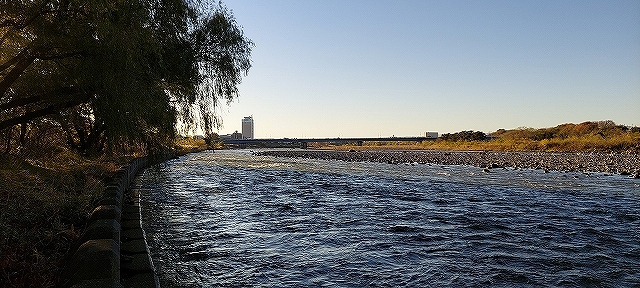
point(247, 127)
point(431, 135)
point(235, 136)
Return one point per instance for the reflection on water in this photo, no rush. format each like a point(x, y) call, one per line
point(232, 219)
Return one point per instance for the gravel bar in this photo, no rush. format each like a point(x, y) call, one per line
point(615, 163)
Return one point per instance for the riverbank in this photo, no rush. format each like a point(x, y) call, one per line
point(614, 163)
point(588, 137)
point(112, 250)
point(47, 199)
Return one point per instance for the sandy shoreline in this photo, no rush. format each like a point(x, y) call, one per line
point(615, 163)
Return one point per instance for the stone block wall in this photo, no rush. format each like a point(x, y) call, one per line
point(112, 250)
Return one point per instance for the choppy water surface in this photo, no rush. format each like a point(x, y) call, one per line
point(230, 219)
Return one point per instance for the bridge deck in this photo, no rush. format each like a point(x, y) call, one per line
point(325, 140)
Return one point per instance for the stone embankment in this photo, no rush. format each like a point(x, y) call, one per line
point(112, 251)
point(616, 163)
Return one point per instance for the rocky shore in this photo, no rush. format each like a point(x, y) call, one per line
point(615, 163)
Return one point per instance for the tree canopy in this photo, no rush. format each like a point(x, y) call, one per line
point(464, 136)
point(117, 70)
point(602, 129)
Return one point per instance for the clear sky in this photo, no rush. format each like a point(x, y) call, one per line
point(346, 68)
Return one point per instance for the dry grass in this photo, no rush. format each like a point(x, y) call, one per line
point(624, 142)
point(621, 143)
point(189, 144)
point(629, 143)
point(44, 204)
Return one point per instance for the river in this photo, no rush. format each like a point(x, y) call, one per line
point(233, 219)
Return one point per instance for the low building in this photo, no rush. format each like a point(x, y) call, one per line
point(235, 136)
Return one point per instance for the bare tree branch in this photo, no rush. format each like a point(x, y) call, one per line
point(15, 73)
point(14, 60)
point(55, 94)
point(42, 112)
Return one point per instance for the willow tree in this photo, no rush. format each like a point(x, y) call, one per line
point(118, 70)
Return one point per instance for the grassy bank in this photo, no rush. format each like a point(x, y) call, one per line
point(603, 136)
point(189, 145)
point(47, 194)
point(628, 144)
point(45, 201)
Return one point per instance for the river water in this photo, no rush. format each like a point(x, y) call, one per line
point(232, 219)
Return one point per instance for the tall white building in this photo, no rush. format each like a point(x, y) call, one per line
point(247, 127)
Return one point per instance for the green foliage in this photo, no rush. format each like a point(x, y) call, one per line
point(464, 136)
point(213, 140)
point(113, 72)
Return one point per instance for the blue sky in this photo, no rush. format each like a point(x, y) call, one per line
point(349, 68)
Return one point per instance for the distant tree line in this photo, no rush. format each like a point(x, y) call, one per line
point(93, 75)
point(601, 129)
point(464, 136)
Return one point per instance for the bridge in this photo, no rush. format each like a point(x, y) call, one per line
point(303, 142)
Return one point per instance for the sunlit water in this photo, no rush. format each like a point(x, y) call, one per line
point(230, 219)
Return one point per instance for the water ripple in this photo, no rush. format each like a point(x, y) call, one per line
point(232, 219)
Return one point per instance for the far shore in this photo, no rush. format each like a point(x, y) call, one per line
point(613, 163)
